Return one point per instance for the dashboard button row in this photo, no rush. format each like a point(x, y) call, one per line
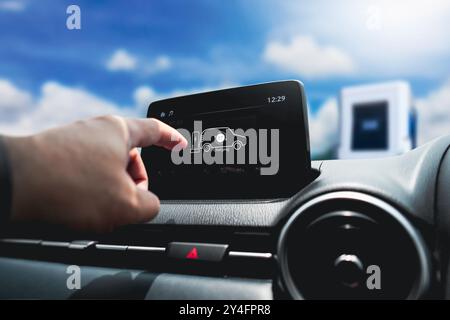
point(176, 250)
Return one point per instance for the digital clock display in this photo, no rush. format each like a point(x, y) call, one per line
point(276, 99)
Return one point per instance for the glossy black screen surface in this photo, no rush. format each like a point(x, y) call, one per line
point(272, 161)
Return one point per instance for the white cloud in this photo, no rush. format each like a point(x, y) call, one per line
point(12, 5)
point(161, 63)
point(303, 55)
point(434, 114)
point(65, 104)
point(323, 127)
point(58, 104)
point(142, 96)
point(13, 101)
point(386, 38)
point(121, 60)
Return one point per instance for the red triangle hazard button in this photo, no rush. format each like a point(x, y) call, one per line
point(192, 254)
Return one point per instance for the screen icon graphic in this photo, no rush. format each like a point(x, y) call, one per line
point(219, 139)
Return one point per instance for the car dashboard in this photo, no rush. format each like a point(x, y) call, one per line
point(361, 229)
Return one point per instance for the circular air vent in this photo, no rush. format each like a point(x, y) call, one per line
point(349, 245)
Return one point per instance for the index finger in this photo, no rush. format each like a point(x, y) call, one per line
point(147, 132)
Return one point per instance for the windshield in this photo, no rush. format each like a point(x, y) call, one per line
point(375, 72)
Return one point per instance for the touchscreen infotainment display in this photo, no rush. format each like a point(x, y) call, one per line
point(244, 143)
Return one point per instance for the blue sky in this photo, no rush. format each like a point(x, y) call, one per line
point(130, 52)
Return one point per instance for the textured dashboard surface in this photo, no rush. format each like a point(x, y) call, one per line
point(241, 214)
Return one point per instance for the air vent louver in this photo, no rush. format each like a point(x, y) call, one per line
point(333, 244)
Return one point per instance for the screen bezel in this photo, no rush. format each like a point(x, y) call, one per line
point(234, 97)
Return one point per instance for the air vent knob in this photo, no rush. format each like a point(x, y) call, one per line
point(349, 270)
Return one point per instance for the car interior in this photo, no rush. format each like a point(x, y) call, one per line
point(323, 229)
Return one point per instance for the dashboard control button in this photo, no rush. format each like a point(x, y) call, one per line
point(111, 247)
point(146, 249)
point(197, 251)
point(22, 241)
point(55, 244)
point(81, 244)
point(246, 254)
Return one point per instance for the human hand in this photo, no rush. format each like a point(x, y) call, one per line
point(87, 175)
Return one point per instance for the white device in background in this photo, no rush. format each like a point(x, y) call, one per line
point(376, 120)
